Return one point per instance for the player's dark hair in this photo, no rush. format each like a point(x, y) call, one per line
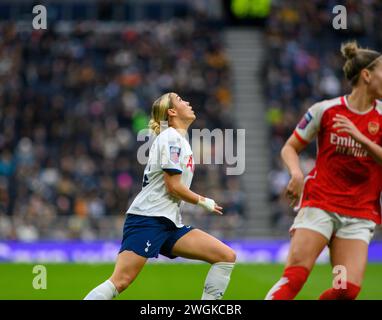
point(357, 59)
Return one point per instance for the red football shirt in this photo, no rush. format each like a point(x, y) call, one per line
point(345, 180)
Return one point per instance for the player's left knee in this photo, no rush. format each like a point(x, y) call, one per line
point(228, 255)
point(122, 281)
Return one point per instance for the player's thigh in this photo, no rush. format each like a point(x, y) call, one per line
point(199, 245)
point(351, 254)
point(305, 247)
point(127, 267)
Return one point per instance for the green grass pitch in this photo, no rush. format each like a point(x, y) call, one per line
point(168, 281)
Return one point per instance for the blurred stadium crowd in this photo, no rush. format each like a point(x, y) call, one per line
point(305, 66)
point(72, 101)
point(74, 97)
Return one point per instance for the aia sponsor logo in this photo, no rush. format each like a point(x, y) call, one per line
point(190, 164)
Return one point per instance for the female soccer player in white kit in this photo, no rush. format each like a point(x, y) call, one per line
point(154, 223)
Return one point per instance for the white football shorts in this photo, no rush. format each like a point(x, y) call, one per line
point(331, 224)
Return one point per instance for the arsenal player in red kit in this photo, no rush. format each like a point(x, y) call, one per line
point(339, 202)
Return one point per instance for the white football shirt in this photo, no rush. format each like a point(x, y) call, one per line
point(171, 152)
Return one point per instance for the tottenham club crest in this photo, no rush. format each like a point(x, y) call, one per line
point(148, 244)
point(373, 127)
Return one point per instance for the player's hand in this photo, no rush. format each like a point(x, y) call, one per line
point(344, 124)
point(210, 205)
point(294, 188)
point(218, 209)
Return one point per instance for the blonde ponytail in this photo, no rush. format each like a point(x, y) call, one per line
point(159, 112)
point(154, 126)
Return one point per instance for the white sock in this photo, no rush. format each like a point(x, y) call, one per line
point(105, 291)
point(217, 280)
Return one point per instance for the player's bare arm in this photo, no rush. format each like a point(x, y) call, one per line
point(346, 125)
point(177, 189)
point(289, 154)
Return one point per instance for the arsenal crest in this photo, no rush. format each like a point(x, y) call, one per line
point(373, 127)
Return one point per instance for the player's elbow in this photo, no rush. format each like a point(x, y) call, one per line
point(172, 188)
point(291, 147)
point(169, 187)
point(285, 150)
point(282, 151)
